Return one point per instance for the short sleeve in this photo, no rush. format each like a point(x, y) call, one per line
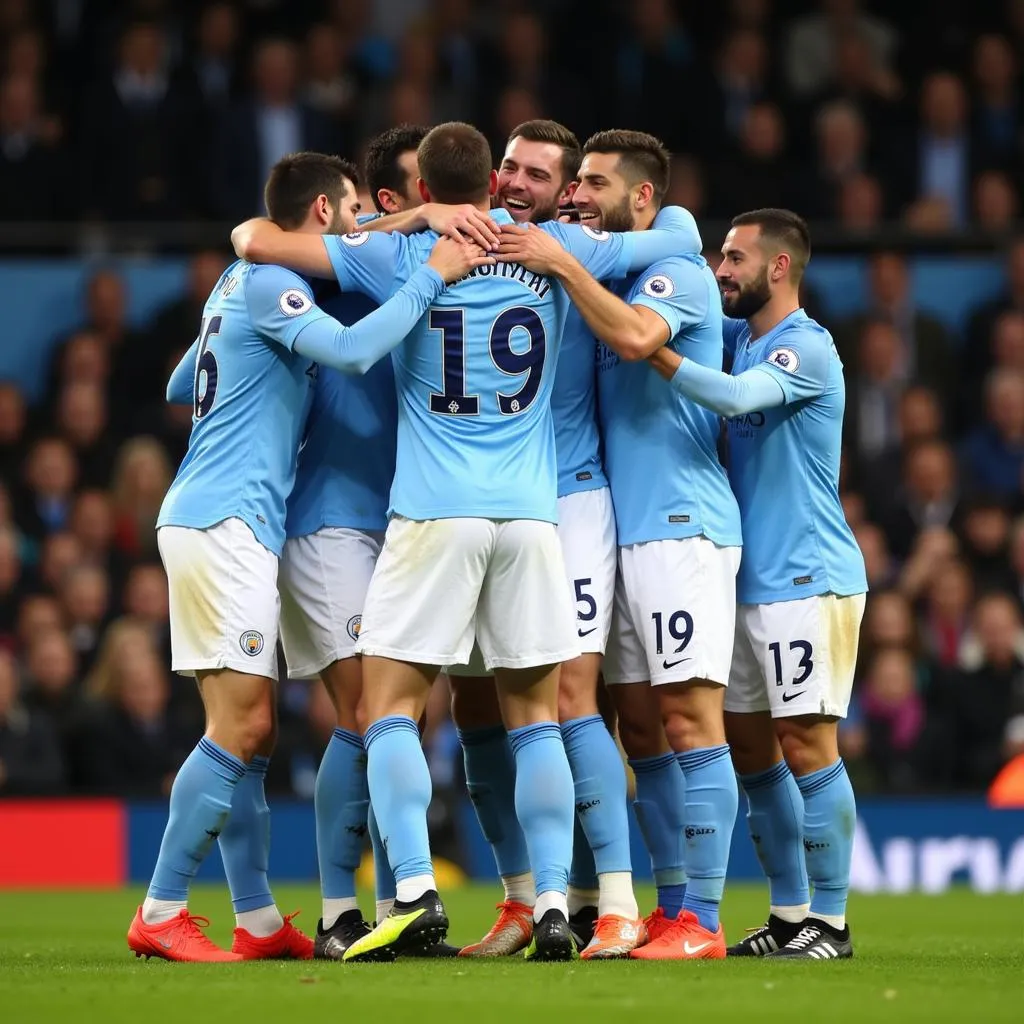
point(675, 290)
point(799, 362)
point(367, 261)
point(280, 304)
point(602, 253)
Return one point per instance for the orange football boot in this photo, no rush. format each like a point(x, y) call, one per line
point(178, 939)
point(656, 923)
point(287, 943)
point(510, 934)
point(614, 937)
point(684, 939)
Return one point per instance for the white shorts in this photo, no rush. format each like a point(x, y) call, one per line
point(323, 581)
point(441, 583)
point(675, 612)
point(796, 657)
point(224, 607)
point(586, 530)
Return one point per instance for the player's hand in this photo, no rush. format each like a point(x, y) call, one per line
point(454, 260)
point(534, 249)
point(463, 224)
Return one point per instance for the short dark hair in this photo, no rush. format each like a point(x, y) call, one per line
point(782, 228)
point(557, 135)
point(297, 179)
point(642, 157)
point(380, 164)
point(455, 163)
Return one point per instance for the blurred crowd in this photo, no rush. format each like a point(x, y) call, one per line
point(852, 112)
point(151, 110)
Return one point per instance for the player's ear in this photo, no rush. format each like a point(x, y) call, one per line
point(782, 264)
point(567, 193)
point(386, 199)
point(421, 187)
point(322, 209)
point(644, 195)
point(492, 185)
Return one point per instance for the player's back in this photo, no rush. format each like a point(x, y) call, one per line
point(660, 449)
point(347, 460)
point(784, 468)
point(251, 396)
point(574, 409)
point(474, 380)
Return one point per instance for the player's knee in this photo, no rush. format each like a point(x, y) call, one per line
point(752, 742)
point(808, 743)
point(691, 715)
point(641, 735)
point(474, 702)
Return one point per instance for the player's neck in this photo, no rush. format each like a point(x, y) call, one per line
point(643, 219)
point(772, 313)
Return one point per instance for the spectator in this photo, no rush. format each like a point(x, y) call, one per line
point(894, 715)
point(330, 87)
point(878, 563)
point(996, 108)
point(979, 329)
point(1017, 558)
point(214, 68)
point(44, 503)
point(861, 203)
point(686, 185)
point(124, 639)
point(11, 585)
point(85, 595)
point(12, 429)
point(981, 701)
point(145, 600)
point(947, 610)
point(82, 422)
point(133, 746)
point(985, 542)
point(37, 614)
point(888, 622)
point(83, 359)
point(30, 758)
point(156, 177)
point(60, 553)
point(993, 454)
point(255, 133)
point(841, 154)
point(53, 683)
point(928, 495)
point(92, 524)
point(995, 202)
point(738, 82)
point(31, 163)
point(141, 477)
point(873, 391)
point(759, 174)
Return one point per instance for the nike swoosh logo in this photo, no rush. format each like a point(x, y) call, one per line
point(694, 950)
point(586, 632)
point(672, 664)
point(787, 697)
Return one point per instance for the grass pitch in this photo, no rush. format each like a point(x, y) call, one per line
point(956, 957)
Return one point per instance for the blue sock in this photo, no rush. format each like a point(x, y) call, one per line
point(775, 815)
point(245, 840)
point(830, 818)
point(341, 802)
point(400, 793)
point(384, 887)
point(658, 802)
point(200, 805)
point(582, 871)
point(544, 802)
point(491, 781)
point(710, 814)
point(600, 785)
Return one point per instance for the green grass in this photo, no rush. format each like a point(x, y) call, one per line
point(955, 957)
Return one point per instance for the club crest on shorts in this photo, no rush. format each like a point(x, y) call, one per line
point(251, 642)
point(785, 359)
point(355, 624)
point(355, 238)
point(293, 302)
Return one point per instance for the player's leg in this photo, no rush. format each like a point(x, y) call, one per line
point(688, 617)
point(491, 781)
point(525, 630)
point(323, 580)
point(815, 659)
point(223, 611)
point(404, 641)
point(775, 808)
point(659, 792)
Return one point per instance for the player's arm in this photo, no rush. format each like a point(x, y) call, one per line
point(460, 223)
point(291, 318)
point(181, 386)
point(794, 369)
point(260, 240)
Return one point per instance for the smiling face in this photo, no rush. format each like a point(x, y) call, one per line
point(604, 196)
point(743, 273)
point(530, 182)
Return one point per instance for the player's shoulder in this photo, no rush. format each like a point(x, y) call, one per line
point(267, 286)
point(801, 330)
point(671, 277)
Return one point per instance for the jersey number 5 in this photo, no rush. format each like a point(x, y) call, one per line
point(204, 391)
point(452, 325)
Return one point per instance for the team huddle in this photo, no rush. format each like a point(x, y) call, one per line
point(478, 433)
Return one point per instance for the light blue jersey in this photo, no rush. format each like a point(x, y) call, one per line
point(784, 467)
point(574, 395)
point(661, 448)
point(474, 378)
point(251, 395)
point(347, 460)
